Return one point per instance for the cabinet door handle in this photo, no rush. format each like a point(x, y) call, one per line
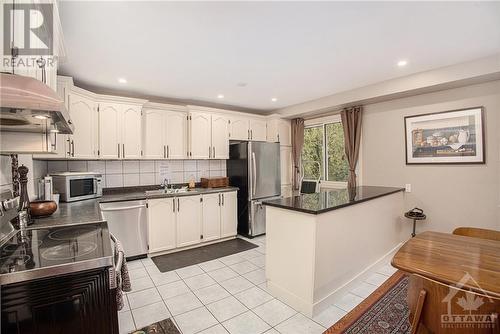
point(219, 199)
point(72, 148)
point(251, 134)
point(209, 152)
point(278, 137)
point(118, 150)
point(123, 150)
point(178, 205)
point(173, 204)
point(168, 152)
point(248, 132)
point(222, 199)
point(164, 152)
point(214, 152)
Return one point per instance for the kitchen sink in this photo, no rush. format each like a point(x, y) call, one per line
point(167, 191)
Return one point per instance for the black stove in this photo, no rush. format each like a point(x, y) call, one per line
point(36, 253)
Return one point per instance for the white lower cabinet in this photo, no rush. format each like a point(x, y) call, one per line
point(190, 220)
point(161, 224)
point(229, 214)
point(211, 216)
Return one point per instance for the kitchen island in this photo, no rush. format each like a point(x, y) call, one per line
point(317, 244)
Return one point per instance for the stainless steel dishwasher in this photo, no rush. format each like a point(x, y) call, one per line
point(127, 221)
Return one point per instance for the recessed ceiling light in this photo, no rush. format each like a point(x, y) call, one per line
point(241, 84)
point(122, 80)
point(402, 63)
point(220, 96)
point(274, 99)
point(41, 117)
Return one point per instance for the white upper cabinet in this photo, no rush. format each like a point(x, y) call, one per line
point(258, 129)
point(239, 128)
point(208, 135)
point(164, 132)
point(176, 134)
point(279, 130)
point(220, 137)
point(131, 132)
point(200, 135)
point(153, 122)
point(119, 129)
point(109, 134)
point(83, 113)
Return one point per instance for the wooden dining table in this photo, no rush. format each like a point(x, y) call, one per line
point(452, 278)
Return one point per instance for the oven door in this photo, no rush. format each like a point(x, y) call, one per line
point(81, 187)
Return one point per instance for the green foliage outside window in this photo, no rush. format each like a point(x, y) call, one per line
point(314, 148)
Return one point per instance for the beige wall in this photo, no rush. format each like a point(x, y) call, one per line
point(452, 196)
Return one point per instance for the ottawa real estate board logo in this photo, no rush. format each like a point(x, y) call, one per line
point(468, 310)
point(27, 36)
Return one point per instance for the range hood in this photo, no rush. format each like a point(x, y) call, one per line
point(29, 105)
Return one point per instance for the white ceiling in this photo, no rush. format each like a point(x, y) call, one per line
point(294, 51)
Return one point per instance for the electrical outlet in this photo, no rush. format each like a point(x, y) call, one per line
point(408, 188)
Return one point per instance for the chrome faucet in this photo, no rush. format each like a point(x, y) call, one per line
point(166, 183)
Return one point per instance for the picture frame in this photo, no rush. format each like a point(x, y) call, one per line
point(447, 137)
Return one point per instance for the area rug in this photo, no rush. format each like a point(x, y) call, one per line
point(193, 256)
point(161, 327)
point(384, 311)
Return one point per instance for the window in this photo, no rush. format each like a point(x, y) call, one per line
point(323, 153)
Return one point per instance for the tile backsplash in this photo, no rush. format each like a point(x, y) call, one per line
point(140, 172)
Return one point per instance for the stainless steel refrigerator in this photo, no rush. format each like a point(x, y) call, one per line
point(254, 167)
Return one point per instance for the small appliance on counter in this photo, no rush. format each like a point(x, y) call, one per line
point(45, 189)
point(76, 186)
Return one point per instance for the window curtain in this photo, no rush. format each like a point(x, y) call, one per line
point(297, 144)
point(351, 122)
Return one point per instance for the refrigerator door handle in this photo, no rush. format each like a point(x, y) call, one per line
point(254, 174)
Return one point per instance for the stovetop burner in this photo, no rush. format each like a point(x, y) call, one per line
point(69, 233)
point(72, 250)
point(43, 248)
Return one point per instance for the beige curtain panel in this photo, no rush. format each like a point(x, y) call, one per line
point(297, 144)
point(351, 122)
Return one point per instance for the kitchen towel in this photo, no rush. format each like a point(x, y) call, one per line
point(122, 277)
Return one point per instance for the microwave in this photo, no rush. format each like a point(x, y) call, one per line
point(76, 186)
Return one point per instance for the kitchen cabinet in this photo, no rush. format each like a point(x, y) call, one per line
point(209, 136)
point(229, 214)
point(189, 210)
point(161, 224)
point(279, 130)
point(258, 129)
point(82, 143)
point(239, 128)
point(220, 137)
point(164, 132)
point(211, 217)
point(200, 134)
point(119, 131)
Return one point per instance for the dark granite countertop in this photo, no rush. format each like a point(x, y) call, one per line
point(331, 199)
point(87, 211)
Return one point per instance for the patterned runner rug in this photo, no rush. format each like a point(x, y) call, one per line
point(384, 311)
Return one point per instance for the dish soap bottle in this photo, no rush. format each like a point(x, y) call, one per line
point(192, 183)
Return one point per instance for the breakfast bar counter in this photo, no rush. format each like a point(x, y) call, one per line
point(308, 237)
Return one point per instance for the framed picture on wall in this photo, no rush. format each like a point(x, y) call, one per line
point(448, 137)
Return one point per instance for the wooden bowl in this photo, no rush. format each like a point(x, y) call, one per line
point(42, 208)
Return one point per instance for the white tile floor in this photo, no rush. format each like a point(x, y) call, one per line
point(227, 295)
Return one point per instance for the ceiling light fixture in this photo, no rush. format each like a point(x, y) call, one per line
point(402, 63)
point(220, 96)
point(122, 80)
point(54, 131)
point(41, 117)
point(242, 84)
point(274, 99)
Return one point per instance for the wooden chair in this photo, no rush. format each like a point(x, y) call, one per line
point(430, 301)
point(478, 233)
